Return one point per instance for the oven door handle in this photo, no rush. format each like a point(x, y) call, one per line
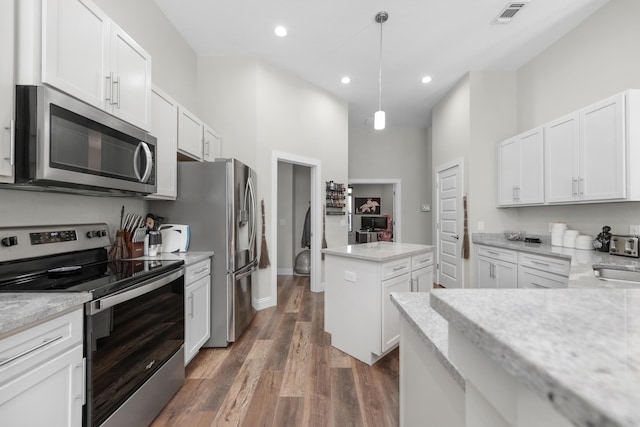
point(148, 286)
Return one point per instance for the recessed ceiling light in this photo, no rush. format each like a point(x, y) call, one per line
point(345, 80)
point(280, 31)
point(426, 79)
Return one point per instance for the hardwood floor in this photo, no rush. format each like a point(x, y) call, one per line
point(284, 372)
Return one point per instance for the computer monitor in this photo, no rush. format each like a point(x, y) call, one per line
point(373, 223)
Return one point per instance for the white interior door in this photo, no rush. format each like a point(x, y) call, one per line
point(449, 227)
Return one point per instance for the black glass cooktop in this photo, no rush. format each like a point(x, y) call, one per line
point(86, 271)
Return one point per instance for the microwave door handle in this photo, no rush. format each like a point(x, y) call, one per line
point(149, 162)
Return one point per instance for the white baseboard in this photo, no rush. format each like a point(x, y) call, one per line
point(262, 303)
point(288, 271)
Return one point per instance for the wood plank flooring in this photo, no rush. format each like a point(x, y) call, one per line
point(284, 372)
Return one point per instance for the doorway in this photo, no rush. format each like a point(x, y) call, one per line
point(449, 188)
point(315, 206)
point(387, 189)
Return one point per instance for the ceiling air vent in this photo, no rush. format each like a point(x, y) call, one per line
point(510, 11)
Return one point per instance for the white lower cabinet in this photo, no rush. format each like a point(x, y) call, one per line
point(359, 314)
point(197, 310)
point(496, 268)
point(42, 374)
point(422, 272)
point(538, 271)
point(390, 315)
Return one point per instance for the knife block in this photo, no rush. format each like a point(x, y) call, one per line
point(136, 249)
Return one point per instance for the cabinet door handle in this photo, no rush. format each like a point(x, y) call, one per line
point(544, 264)
point(402, 267)
point(493, 253)
point(574, 185)
point(108, 96)
point(581, 186)
point(538, 286)
point(200, 270)
point(190, 299)
point(83, 386)
point(44, 342)
point(12, 143)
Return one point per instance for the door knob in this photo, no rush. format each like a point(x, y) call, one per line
point(455, 236)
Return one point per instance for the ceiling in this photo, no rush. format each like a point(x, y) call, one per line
point(330, 39)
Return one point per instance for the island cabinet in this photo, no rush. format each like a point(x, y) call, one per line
point(42, 374)
point(359, 313)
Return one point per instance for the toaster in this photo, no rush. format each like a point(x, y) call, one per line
point(175, 237)
point(624, 245)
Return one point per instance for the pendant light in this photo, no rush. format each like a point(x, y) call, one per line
point(379, 116)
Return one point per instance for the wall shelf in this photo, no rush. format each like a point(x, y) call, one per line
point(335, 198)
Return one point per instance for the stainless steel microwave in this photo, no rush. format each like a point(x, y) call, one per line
point(63, 144)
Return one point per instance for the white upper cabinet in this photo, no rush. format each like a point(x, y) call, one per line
point(520, 170)
point(561, 148)
point(164, 126)
point(6, 91)
point(602, 150)
point(189, 133)
point(130, 79)
point(88, 56)
point(211, 144)
point(585, 154)
point(75, 41)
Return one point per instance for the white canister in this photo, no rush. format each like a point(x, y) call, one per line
point(556, 238)
point(584, 241)
point(569, 238)
point(558, 227)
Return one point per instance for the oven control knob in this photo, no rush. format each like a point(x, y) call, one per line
point(102, 233)
point(89, 234)
point(10, 241)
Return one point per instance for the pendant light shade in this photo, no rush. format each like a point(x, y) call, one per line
point(379, 120)
point(379, 117)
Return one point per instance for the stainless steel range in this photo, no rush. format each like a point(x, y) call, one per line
point(134, 324)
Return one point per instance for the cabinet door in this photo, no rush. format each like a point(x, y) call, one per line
point(530, 179)
point(422, 279)
point(506, 274)
point(197, 317)
point(74, 49)
point(211, 145)
point(131, 81)
point(602, 150)
point(485, 273)
point(164, 126)
point(561, 151)
point(507, 171)
point(6, 91)
point(56, 388)
point(390, 315)
point(189, 133)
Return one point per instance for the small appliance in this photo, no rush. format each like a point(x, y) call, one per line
point(175, 237)
point(624, 245)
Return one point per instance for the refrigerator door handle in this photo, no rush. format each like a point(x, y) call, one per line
point(254, 216)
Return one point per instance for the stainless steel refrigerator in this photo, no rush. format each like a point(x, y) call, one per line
point(218, 201)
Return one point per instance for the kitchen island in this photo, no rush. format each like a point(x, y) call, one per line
point(359, 314)
point(557, 357)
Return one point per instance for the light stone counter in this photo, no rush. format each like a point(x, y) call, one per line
point(19, 310)
point(378, 251)
point(578, 349)
point(582, 261)
point(189, 257)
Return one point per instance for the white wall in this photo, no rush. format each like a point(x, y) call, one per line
point(597, 59)
point(403, 154)
point(259, 109)
point(467, 123)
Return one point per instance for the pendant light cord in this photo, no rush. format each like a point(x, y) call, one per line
point(380, 71)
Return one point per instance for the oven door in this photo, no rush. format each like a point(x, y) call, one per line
point(130, 336)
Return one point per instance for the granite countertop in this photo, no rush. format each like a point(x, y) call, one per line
point(429, 325)
point(19, 310)
point(582, 261)
point(378, 251)
point(577, 348)
point(189, 258)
